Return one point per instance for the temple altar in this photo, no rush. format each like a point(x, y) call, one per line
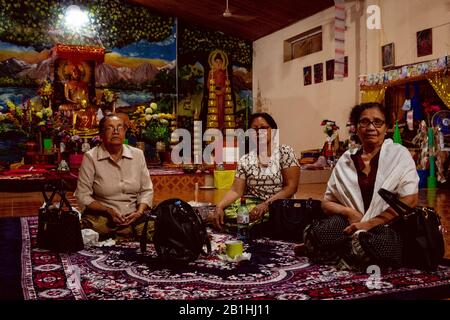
point(74, 81)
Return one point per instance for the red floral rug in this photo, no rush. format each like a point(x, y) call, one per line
point(122, 272)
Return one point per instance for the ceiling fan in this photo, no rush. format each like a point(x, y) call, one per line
point(228, 14)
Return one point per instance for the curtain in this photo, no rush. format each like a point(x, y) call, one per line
point(441, 84)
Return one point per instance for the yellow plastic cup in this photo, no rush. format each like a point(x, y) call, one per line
point(234, 248)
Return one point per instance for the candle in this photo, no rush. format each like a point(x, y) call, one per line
point(196, 193)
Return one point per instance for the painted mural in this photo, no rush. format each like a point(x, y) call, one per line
point(197, 51)
point(140, 48)
point(138, 72)
point(59, 58)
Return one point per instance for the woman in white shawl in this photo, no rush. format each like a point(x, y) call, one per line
point(356, 231)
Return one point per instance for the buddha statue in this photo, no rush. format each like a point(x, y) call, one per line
point(85, 120)
point(75, 90)
point(77, 105)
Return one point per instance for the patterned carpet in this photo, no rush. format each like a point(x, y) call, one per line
point(274, 273)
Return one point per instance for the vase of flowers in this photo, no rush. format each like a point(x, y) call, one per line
point(12, 134)
point(107, 101)
point(11, 121)
point(151, 127)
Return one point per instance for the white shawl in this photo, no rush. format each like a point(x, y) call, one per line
point(396, 172)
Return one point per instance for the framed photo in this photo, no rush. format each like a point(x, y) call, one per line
point(329, 65)
point(307, 76)
point(424, 42)
point(318, 72)
point(388, 56)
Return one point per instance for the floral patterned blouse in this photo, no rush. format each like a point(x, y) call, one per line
point(261, 181)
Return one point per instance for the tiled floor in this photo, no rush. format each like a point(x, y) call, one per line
point(27, 203)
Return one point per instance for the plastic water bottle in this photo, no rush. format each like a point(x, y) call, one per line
point(243, 220)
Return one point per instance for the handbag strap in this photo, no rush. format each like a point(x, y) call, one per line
point(64, 200)
point(49, 200)
point(395, 203)
point(55, 190)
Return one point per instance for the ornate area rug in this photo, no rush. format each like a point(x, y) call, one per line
point(122, 272)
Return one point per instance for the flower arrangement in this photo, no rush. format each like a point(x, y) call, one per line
point(329, 127)
point(11, 121)
point(42, 121)
point(107, 100)
point(149, 125)
point(430, 109)
point(46, 90)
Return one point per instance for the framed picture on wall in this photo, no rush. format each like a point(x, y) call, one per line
point(307, 76)
point(318, 72)
point(329, 65)
point(387, 56)
point(424, 42)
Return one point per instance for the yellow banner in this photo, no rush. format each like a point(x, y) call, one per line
point(372, 95)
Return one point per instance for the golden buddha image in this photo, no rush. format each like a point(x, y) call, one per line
point(220, 103)
point(76, 94)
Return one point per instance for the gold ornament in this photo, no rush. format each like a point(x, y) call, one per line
point(228, 110)
point(212, 124)
point(229, 118)
point(213, 117)
point(229, 124)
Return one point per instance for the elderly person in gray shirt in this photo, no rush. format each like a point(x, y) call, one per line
point(114, 186)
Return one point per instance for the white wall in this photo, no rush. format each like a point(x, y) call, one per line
point(401, 20)
point(299, 109)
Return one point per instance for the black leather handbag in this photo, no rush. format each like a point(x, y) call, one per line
point(180, 234)
point(288, 218)
point(58, 225)
point(422, 233)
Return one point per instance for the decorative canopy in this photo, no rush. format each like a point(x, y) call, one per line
point(373, 86)
point(78, 53)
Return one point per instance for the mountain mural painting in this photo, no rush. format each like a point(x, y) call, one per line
point(136, 67)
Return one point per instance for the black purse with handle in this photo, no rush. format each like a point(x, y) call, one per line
point(59, 224)
point(422, 233)
point(288, 218)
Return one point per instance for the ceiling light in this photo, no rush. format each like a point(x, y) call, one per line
point(75, 17)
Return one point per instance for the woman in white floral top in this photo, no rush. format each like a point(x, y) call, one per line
point(268, 173)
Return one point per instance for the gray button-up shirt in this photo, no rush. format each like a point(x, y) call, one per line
point(121, 185)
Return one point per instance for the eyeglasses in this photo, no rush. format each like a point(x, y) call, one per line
point(261, 128)
point(377, 123)
point(119, 128)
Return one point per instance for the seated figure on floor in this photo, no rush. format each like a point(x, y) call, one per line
point(263, 175)
point(114, 186)
point(355, 233)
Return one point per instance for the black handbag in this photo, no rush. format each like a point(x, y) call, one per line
point(180, 233)
point(58, 225)
point(288, 218)
point(421, 231)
